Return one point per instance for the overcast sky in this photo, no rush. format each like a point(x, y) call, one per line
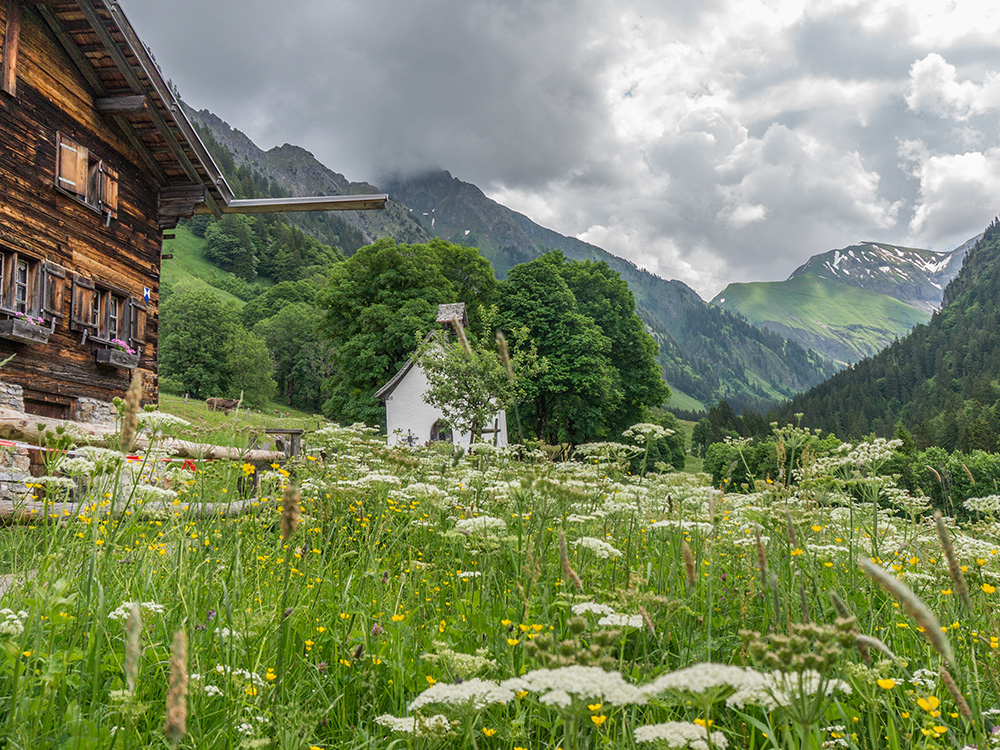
point(706, 140)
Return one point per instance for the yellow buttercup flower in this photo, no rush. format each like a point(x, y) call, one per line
point(489, 732)
point(929, 703)
point(887, 684)
point(987, 588)
point(598, 720)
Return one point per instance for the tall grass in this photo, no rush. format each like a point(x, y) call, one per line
point(415, 598)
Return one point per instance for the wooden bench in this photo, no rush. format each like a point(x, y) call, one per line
point(293, 445)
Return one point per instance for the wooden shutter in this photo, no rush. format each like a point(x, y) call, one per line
point(136, 324)
point(53, 289)
point(7, 295)
point(81, 305)
point(72, 160)
point(109, 190)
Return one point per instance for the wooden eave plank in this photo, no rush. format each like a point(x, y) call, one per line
point(210, 173)
point(94, 79)
point(133, 80)
point(311, 203)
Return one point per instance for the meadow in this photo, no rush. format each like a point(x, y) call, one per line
point(418, 598)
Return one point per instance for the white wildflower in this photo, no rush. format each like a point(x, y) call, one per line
point(77, 466)
point(621, 621)
point(106, 461)
point(700, 678)
point(592, 607)
point(150, 493)
point(477, 693)
point(51, 482)
point(558, 686)
point(777, 689)
point(213, 690)
point(158, 421)
point(123, 610)
point(420, 725)
point(644, 431)
point(988, 504)
point(481, 523)
point(11, 622)
point(681, 734)
point(597, 546)
point(705, 528)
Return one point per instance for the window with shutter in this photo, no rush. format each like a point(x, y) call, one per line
point(85, 177)
point(72, 167)
point(109, 191)
point(53, 288)
point(136, 324)
point(21, 284)
point(8, 50)
point(82, 305)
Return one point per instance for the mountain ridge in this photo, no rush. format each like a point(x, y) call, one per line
point(706, 354)
point(851, 302)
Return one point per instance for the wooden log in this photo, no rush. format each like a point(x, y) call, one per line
point(16, 425)
point(28, 511)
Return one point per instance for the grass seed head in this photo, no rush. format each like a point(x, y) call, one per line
point(133, 627)
point(568, 573)
point(689, 568)
point(289, 512)
point(175, 726)
point(954, 569)
point(915, 606)
point(130, 416)
point(956, 694)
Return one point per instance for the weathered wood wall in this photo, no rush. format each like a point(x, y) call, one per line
point(36, 218)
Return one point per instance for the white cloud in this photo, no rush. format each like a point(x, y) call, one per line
point(957, 191)
point(935, 88)
point(708, 141)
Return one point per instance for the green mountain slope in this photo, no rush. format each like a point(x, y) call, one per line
point(188, 269)
point(849, 303)
point(942, 381)
point(844, 323)
point(706, 353)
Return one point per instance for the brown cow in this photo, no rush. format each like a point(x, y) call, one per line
point(226, 405)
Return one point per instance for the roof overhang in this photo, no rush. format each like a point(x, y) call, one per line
point(133, 93)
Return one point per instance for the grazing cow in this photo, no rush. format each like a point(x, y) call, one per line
point(226, 405)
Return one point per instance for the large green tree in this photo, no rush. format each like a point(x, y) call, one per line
point(300, 360)
point(604, 297)
point(376, 301)
point(206, 352)
point(601, 369)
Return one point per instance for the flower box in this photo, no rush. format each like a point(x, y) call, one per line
point(117, 358)
point(18, 329)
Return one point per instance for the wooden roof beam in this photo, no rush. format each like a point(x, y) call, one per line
point(121, 105)
point(87, 70)
point(137, 86)
point(311, 203)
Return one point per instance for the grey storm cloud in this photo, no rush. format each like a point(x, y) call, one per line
point(707, 141)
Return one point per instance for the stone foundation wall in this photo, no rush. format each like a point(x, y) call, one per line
point(15, 462)
point(11, 396)
point(92, 411)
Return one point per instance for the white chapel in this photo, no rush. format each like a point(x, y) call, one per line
point(412, 421)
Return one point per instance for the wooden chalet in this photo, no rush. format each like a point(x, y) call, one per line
point(97, 159)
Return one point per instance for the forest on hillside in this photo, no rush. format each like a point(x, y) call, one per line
point(941, 382)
